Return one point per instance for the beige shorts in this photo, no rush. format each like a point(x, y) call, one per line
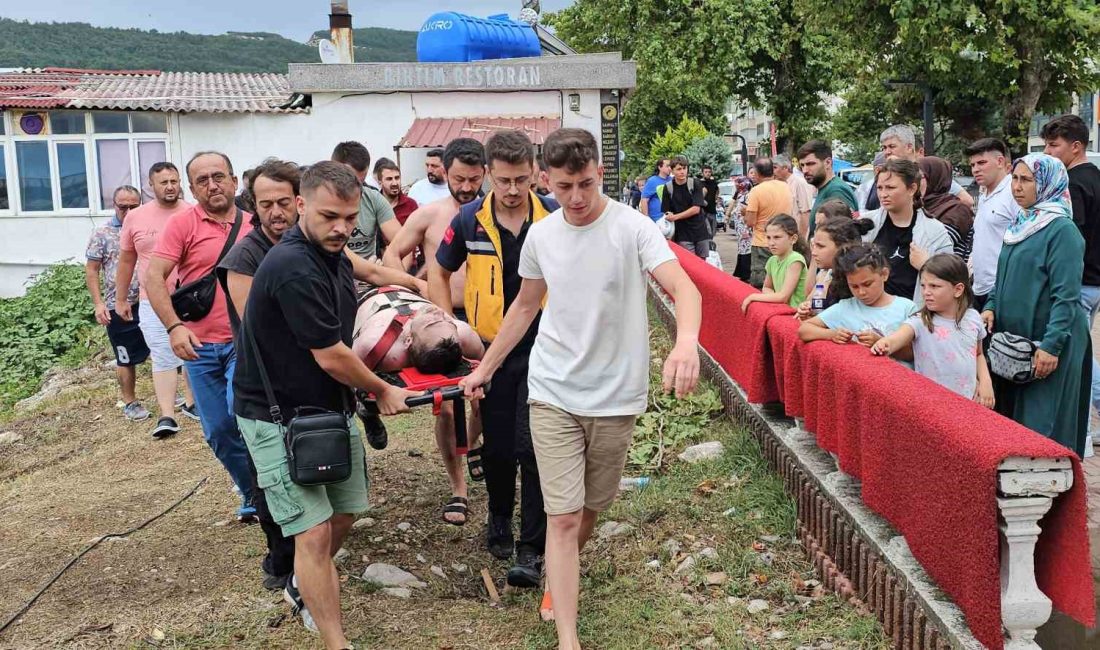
point(580, 458)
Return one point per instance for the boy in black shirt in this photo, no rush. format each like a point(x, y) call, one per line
point(683, 204)
point(1067, 139)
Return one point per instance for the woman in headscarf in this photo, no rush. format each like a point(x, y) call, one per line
point(943, 206)
point(1036, 296)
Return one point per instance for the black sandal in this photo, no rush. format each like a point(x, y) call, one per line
point(456, 505)
point(474, 466)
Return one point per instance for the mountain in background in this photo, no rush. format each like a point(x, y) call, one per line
point(80, 45)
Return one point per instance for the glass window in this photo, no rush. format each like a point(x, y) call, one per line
point(72, 167)
point(33, 164)
point(1, 123)
point(110, 122)
point(66, 122)
point(149, 153)
point(4, 204)
point(149, 122)
point(113, 157)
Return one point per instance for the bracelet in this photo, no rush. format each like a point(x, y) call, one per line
point(169, 330)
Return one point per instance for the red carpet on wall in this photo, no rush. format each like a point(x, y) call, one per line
point(926, 457)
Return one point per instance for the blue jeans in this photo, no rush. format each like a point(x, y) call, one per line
point(1090, 302)
point(211, 378)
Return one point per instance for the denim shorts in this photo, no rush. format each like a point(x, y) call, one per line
point(297, 508)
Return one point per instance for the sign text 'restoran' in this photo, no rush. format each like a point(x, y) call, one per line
point(474, 75)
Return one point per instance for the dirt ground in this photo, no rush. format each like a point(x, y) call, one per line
point(192, 579)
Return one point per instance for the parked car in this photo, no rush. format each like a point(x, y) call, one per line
point(855, 176)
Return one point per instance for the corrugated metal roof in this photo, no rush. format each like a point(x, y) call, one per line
point(152, 90)
point(427, 132)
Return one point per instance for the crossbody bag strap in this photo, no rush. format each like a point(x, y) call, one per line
point(273, 406)
point(232, 238)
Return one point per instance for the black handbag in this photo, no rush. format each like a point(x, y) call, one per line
point(318, 441)
point(1012, 357)
point(194, 300)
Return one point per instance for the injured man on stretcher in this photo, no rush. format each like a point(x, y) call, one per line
point(396, 329)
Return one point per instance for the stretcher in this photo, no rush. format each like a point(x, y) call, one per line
point(437, 389)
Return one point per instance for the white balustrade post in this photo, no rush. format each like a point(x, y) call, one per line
point(1023, 606)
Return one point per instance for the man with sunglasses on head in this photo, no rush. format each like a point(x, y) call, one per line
point(125, 336)
point(487, 236)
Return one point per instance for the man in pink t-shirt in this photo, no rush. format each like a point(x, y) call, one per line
point(191, 243)
point(137, 240)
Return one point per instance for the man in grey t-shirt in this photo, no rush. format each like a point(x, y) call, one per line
point(375, 212)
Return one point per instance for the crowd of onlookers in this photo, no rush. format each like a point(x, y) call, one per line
point(994, 299)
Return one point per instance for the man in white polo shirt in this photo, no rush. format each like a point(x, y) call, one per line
point(589, 370)
point(996, 209)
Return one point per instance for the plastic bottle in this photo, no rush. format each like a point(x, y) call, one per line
point(817, 299)
point(630, 483)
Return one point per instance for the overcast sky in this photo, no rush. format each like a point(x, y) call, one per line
point(295, 19)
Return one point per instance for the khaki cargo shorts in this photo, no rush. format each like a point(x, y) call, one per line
point(580, 458)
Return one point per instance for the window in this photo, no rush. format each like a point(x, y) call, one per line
point(149, 154)
point(110, 122)
point(72, 169)
point(114, 169)
point(66, 122)
point(75, 160)
point(149, 123)
point(33, 166)
point(5, 204)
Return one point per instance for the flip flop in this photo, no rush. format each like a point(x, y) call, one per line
point(546, 608)
point(457, 505)
point(474, 466)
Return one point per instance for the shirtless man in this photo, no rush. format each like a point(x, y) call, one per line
point(430, 340)
point(464, 160)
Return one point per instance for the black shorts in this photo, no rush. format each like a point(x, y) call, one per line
point(126, 339)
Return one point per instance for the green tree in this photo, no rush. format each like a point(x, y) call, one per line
point(694, 56)
point(711, 150)
point(676, 141)
point(980, 57)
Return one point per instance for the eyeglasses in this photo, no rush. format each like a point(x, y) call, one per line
point(218, 179)
point(503, 184)
point(127, 208)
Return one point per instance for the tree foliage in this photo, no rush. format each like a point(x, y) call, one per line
point(79, 45)
point(980, 57)
point(676, 141)
point(711, 150)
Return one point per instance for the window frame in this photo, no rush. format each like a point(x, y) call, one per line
point(89, 140)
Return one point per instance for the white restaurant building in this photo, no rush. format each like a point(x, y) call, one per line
point(68, 138)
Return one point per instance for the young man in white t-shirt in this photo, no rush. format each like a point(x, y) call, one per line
point(589, 368)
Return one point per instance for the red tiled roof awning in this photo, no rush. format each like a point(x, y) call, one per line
point(428, 132)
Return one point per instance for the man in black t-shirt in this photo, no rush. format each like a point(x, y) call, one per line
point(1067, 139)
point(682, 204)
point(299, 320)
point(710, 193)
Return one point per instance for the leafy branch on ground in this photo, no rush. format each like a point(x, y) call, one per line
point(669, 422)
point(52, 323)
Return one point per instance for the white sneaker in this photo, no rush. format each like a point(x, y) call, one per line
point(298, 606)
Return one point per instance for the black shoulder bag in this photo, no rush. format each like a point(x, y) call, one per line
point(194, 300)
point(318, 441)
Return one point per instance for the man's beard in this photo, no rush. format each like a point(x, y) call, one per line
point(463, 197)
point(818, 179)
point(434, 179)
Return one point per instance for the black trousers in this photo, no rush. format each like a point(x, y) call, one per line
point(507, 448)
point(279, 560)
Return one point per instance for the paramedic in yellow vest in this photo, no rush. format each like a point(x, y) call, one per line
point(487, 236)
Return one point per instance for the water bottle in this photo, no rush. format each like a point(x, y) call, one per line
point(630, 483)
point(817, 299)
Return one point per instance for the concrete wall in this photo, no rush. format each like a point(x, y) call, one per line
point(29, 244)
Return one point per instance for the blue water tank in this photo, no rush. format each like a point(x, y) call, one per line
point(449, 37)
